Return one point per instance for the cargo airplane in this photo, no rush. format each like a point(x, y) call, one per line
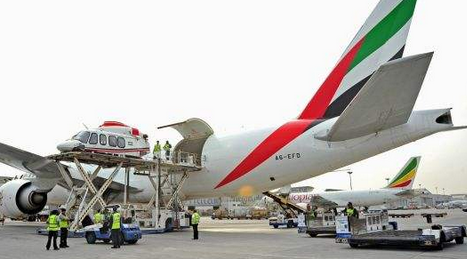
point(399, 188)
point(363, 108)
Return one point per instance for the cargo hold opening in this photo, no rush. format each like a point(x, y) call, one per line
point(195, 132)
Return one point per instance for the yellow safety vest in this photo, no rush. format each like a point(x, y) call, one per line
point(52, 223)
point(195, 218)
point(97, 218)
point(64, 223)
point(157, 148)
point(350, 212)
point(167, 147)
point(116, 220)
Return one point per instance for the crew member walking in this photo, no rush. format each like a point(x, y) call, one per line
point(64, 224)
point(167, 148)
point(116, 223)
point(194, 222)
point(157, 150)
point(52, 228)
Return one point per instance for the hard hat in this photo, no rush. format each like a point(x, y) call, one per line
point(62, 207)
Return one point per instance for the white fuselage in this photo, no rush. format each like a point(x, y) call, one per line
point(301, 159)
point(364, 198)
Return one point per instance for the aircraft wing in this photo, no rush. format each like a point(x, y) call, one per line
point(385, 101)
point(43, 167)
point(28, 162)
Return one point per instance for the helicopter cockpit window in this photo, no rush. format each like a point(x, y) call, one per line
point(121, 142)
point(103, 139)
point(112, 141)
point(83, 136)
point(93, 139)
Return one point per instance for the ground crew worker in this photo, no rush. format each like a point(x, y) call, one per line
point(52, 228)
point(98, 217)
point(167, 148)
point(64, 223)
point(351, 211)
point(194, 222)
point(115, 223)
point(2, 219)
point(157, 150)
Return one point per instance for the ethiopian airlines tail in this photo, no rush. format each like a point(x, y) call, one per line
point(406, 176)
point(381, 39)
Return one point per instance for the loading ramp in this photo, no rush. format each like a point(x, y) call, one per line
point(160, 172)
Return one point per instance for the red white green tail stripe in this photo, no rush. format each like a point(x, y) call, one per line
point(380, 39)
point(406, 177)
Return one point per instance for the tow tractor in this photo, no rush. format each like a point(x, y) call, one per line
point(373, 229)
point(130, 231)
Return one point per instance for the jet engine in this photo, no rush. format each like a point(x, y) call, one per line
point(20, 197)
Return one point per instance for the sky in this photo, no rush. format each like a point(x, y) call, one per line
point(238, 65)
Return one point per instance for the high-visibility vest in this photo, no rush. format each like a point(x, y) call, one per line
point(52, 223)
point(195, 218)
point(350, 212)
point(167, 147)
point(97, 218)
point(64, 223)
point(157, 148)
point(116, 220)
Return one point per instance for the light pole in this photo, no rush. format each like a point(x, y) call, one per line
point(436, 188)
point(350, 178)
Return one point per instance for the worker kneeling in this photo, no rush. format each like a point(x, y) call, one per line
point(116, 223)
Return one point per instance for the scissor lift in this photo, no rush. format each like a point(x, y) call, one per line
point(159, 171)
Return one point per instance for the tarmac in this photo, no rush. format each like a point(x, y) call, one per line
point(224, 239)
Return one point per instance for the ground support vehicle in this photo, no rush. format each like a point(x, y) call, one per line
point(282, 220)
point(374, 230)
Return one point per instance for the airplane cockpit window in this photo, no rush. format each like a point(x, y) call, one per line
point(93, 139)
point(121, 142)
point(103, 139)
point(83, 136)
point(112, 141)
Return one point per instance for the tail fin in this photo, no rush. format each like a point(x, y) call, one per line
point(382, 38)
point(405, 178)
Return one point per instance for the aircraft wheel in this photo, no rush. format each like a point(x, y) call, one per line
point(459, 240)
point(311, 234)
point(276, 226)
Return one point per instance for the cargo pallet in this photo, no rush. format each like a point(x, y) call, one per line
point(426, 238)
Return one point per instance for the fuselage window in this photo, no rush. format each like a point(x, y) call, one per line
point(112, 141)
point(121, 142)
point(93, 139)
point(82, 137)
point(103, 139)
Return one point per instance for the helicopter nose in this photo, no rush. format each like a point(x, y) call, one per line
point(70, 145)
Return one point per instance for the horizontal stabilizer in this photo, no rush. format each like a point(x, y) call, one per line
point(385, 101)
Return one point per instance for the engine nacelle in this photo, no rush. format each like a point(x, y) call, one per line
point(19, 197)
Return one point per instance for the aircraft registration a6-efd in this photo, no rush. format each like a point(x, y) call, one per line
point(363, 108)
